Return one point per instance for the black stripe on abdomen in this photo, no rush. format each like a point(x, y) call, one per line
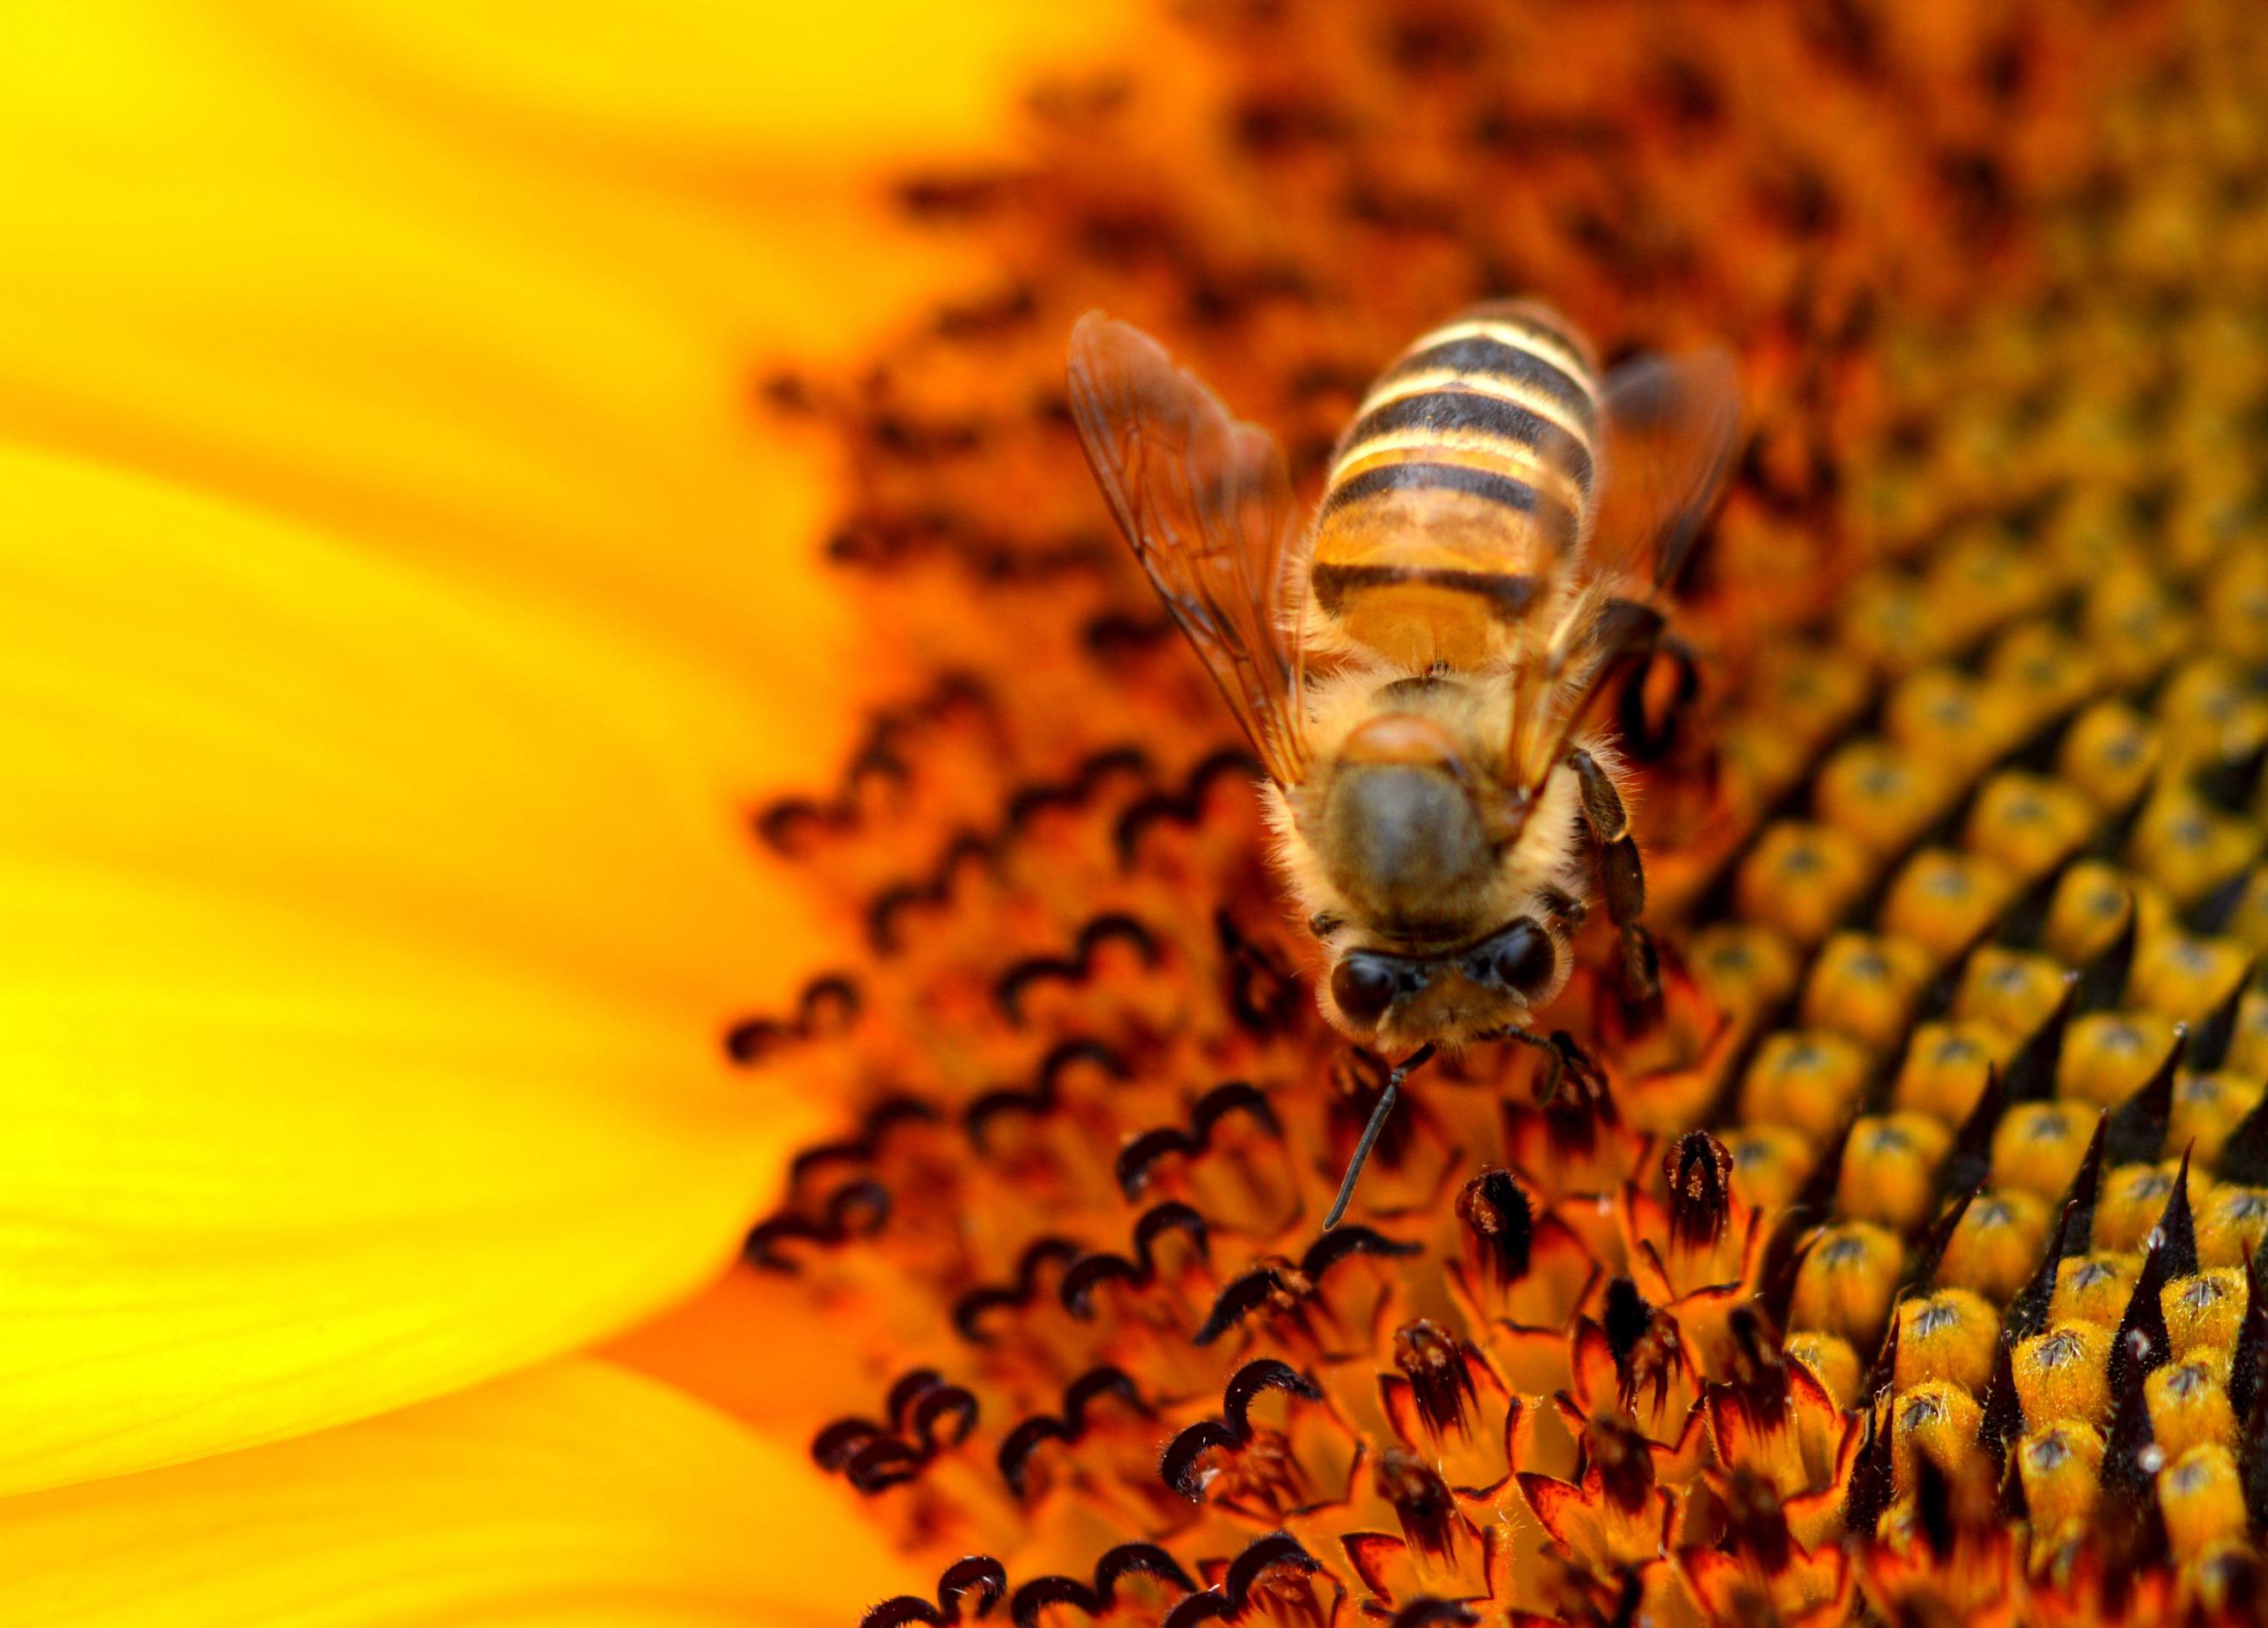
point(1553, 517)
point(1494, 358)
point(1447, 410)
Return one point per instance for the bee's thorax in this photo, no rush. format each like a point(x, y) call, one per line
point(1407, 846)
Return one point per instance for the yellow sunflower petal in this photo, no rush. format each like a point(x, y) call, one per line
point(714, 78)
point(446, 285)
point(367, 951)
point(572, 1497)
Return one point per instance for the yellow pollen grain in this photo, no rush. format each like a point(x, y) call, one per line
point(2094, 1288)
point(2065, 1373)
point(1995, 1248)
point(1747, 968)
point(2248, 925)
point(2012, 990)
point(1809, 1081)
point(1952, 1335)
point(2055, 1550)
point(2203, 1312)
point(2248, 1051)
point(1769, 1162)
point(1949, 716)
point(2089, 907)
point(1943, 900)
point(2132, 620)
point(1890, 1169)
point(2209, 712)
point(2237, 603)
point(1882, 795)
point(1813, 691)
point(1893, 1528)
point(1865, 985)
point(2207, 1109)
point(1937, 1418)
point(1944, 1070)
point(2187, 978)
point(2231, 1224)
point(2109, 1055)
point(2041, 662)
point(2110, 754)
point(2037, 1146)
point(1848, 1276)
point(2202, 1499)
point(2061, 1465)
point(2219, 1583)
point(2188, 847)
point(1884, 620)
point(2189, 1407)
point(2028, 824)
point(1801, 879)
point(2133, 1197)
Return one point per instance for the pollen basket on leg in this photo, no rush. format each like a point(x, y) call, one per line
point(1899, 1256)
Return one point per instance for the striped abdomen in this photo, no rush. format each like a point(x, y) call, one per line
point(1466, 473)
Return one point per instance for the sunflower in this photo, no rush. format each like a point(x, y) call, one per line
point(402, 603)
point(418, 429)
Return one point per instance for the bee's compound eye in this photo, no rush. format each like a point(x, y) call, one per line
point(1363, 989)
point(1522, 957)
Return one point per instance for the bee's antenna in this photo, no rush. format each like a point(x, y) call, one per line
point(1370, 1131)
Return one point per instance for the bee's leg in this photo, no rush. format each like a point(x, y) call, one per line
point(1561, 1058)
point(1622, 874)
point(1643, 737)
point(1386, 1101)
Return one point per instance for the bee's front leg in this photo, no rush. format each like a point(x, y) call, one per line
point(1562, 1057)
point(1622, 874)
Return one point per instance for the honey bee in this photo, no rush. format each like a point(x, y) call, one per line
point(1413, 665)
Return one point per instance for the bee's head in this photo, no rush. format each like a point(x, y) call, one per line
point(1405, 1000)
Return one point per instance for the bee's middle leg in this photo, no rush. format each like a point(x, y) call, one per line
point(1622, 873)
point(1643, 736)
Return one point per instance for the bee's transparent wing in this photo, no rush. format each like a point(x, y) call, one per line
point(1205, 501)
point(1671, 424)
point(1670, 427)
